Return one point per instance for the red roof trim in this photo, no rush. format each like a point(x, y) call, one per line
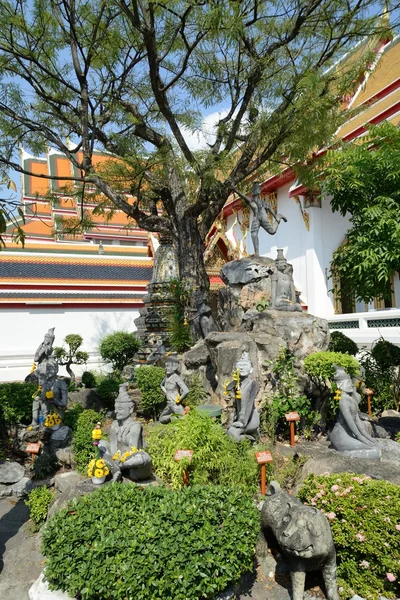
point(21, 287)
point(81, 304)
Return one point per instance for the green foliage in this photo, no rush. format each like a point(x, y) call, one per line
point(179, 336)
point(38, 502)
point(148, 379)
point(320, 366)
point(197, 394)
point(364, 518)
point(382, 375)
point(217, 459)
point(108, 388)
point(262, 304)
point(363, 179)
point(339, 342)
point(88, 379)
point(82, 444)
point(119, 348)
point(286, 398)
point(71, 354)
point(72, 415)
point(16, 402)
point(181, 545)
point(44, 465)
point(385, 354)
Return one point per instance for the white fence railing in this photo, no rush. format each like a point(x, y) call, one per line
point(366, 327)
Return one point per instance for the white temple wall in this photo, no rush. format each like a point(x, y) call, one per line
point(22, 330)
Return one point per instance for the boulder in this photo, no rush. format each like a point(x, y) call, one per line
point(63, 481)
point(11, 472)
point(40, 591)
point(88, 398)
point(65, 457)
point(60, 438)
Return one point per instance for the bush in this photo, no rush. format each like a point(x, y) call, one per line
point(364, 518)
point(217, 459)
point(88, 379)
point(123, 542)
point(38, 502)
point(16, 402)
point(385, 354)
point(108, 388)
point(148, 380)
point(119, 348)
point(72, 415)
point(44, 465)
point(179, 335)
point(339, 342)
point(382, 374)
point(82, 443)
point(197, 394)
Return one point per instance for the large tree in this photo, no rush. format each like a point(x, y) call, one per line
point(133, 77)
point(363, 180)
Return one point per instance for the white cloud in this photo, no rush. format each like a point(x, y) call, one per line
point(199, 140)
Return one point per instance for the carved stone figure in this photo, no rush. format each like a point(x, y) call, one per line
point(349, 435)
point(157, 352)
point(175, 390)
point(126, 437)
point(283, 293)
point(304, 538)
point(247, 418)
point(260, 211)
point(203, 321)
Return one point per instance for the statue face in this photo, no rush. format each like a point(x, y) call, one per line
point(346, 385)
point(245, 367)
point(281, 265)
point(170, 367)
point(123, 410)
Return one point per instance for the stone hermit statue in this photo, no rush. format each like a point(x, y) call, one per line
point(283, 293)
point(175, 390)
point(203, 321)
point(304, 537)
point(260, 210)
point(349, 435)
point(247, 418)
point(124, 452)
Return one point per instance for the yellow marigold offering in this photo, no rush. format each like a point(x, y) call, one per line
point(96, 434)
point(178, 399)
point(117, 455)
point(100, 464)
point(98, 473)
point(49, 395)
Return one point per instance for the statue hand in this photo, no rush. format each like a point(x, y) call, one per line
point(238, 425)
point(137, 460)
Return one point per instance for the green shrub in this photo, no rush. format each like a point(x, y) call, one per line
point(88, 379)
point(44, 465)
point(385, 354)
point(119, 349)
point(364, 517)
point(381, 373)
point(38, 502)
point(180, 337)
point(148, 379)
point(72, 415)
point(197, 394)
point(71, 355)
point(339, 342)
point(217, 459)
point(123, 542)
point(16, 402)
point(82, 443)
point(108, 388)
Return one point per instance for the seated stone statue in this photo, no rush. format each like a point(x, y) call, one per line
point(283, 293)
point(304, 538)
point(349, 435)
point(247, 418)
point(203, 321)
point(175, 390)
point(125, 435)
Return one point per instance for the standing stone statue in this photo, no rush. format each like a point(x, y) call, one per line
point(247, 418)
point(304, 537)
point(175, 390)
point(126, 437)
point(203, 321)
point(283, 293)
point(260, 211)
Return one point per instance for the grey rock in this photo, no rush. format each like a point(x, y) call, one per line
point(11, 472)
point(197, 356)
point(61, 438)
point(247, 270)
point(40, 591)
point(304, 537)
point(63, 481)
point(72, 492)
point(5, 490)
point(390, 423)
point(88, 398)
point(65, 457)
point(22, 487)
point(391, 413)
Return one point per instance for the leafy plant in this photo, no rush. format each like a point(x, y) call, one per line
point(181, 545)
point(44, 465)
point(339, 342)
point(179, 335)
point(119, 348)
point(217, 459)
point(197, 394)
point(72, 415)
point(148, 379)
point(364, 518)
point(82, 444)
point(38, 502)
point(16, 403)
point(385, 354)
point(382, 374)
point(71, 355)
point(262, 304)
point(88, 379)
point(108, 388)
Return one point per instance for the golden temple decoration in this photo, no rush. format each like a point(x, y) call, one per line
point(304, 213)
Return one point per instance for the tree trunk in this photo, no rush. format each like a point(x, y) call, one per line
point(190, 250)
point(70, 371)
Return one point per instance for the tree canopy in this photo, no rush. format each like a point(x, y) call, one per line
point(363, 179)
point(133, 78)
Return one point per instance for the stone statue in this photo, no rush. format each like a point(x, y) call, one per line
point(349, 435)
point(283, 293)
point(157, 352)
point(304, 537)
point(203, 321)
point(175, 390)
point(260, 210)
point(126, 438)
point(247, 418)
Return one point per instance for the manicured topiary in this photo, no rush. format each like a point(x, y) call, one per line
point(82, 443)
point(365, 519)
point(124, 542)
point(339, 342)
point(119, 349)
point(320, 366)
point(148, 380)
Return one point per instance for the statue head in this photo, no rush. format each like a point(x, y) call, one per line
point(46, 372)
point(46, 347)
point(123, 403)
point(172, 365)
point(244, 365)
point(343, 380)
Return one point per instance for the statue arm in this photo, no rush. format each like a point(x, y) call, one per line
point(184, 390)
point(351, 423)
point(248, 404)
point(248, 200)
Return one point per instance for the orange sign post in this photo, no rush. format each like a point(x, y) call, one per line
point(33, 449)
point(369, 393)
point(292, 417)
point(263, 458)
point(180, 455)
